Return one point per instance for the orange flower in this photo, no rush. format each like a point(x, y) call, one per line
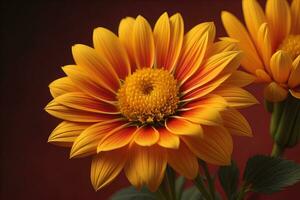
point(272, 46)
point(145, 99)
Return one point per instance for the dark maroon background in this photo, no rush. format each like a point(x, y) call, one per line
point(36, 41)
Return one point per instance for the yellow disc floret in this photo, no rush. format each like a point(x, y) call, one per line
point(148, 95)
point(291, 44)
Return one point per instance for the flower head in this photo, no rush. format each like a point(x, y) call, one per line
point(147, 98)
point(271, 45)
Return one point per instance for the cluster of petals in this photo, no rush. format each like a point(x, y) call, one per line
point(210, 92)
point(271, 44)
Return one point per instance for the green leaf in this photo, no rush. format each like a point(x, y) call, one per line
point(229, 178)
point(267, 174)
point(131, 193)
point(191, 193)
point(179, 186)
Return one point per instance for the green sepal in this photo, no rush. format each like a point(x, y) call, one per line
point(295, 133)
point(275, 118)
point(287, 121)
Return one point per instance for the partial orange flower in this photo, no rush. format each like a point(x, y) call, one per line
point(147, 98)
point(271, 45)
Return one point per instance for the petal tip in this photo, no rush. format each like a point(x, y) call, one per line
point(225, 15)
point(165, 14)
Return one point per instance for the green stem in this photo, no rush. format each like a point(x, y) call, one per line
point(210, 181)
point(277, 151)
point(242, 193)
point(167, 188)
point(201, 187)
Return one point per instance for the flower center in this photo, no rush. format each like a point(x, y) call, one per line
point(291, 44)
point(148, 95)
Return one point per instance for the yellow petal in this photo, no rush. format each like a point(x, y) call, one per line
point(254, 17)
point(281, 65)
point(167, 139)
point(221, 63)
point(146, 136)
point(61, 86)
point(195, 45)
point(295, 13)
point(81, 101)
point(183, 161)
point(86, 83)
point(161, 34)
point(226, 44)
point(205, 89)
point(265, 45)
point(236, 97)
point(87, 142)
point(143, 43)
point(236, 123)
point(176, 40)
point(275, 93)
point(240, 79)
point(278, 15)
point(215, 147)
point(236, 30)
point(89, 61)
point(66, 133)
point(146, 166)
point(108, 44)
point(117, 138)
point(294, 79)
point(106, 166)
point(295, 93)
point(203, 115)
point(126, 37)
point(76, 115)
point(263, 76)
point(213, 101)
point(180, 126)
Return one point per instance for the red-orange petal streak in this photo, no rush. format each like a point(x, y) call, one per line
point(86, 143)
point(146, 136)
point(117, 138)
point(180, 126)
